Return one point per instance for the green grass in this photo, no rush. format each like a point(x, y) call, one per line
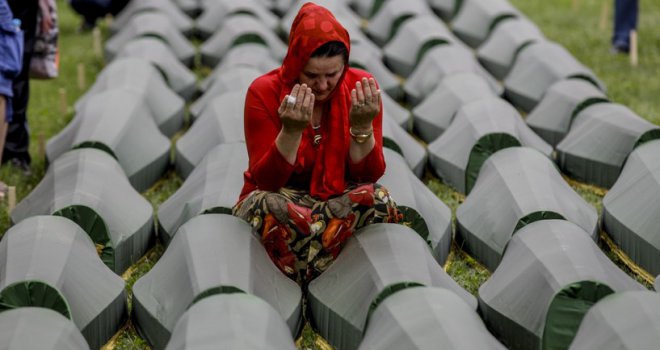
point(576, 27)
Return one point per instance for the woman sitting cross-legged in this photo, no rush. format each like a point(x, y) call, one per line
point(313, 129)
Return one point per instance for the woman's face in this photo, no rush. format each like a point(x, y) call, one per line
point(322, 74)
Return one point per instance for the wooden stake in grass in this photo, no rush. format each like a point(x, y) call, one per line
point(11, 199)
point(64, 106)
point(96, 36)
point(633, 48)
point(604, 16)
point(108, 20)
point(575, 4)
point(81, 76)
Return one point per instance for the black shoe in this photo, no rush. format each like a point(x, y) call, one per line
point(619, 47)
point(21, 164)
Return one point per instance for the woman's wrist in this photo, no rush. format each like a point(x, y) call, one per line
point(361, 135)
point(361, 128)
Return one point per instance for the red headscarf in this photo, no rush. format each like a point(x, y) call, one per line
point(313, 27)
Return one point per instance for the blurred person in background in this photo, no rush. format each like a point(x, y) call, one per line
point(11, 52)
point(92, 10)
point(16, 150)
point(625, 20)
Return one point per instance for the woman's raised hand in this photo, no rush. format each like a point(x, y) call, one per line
point(296, 109)
point(365, 104)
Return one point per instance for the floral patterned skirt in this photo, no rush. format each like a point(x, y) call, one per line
point(303, 235)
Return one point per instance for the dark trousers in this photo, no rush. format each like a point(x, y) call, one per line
point(91, 10)
point(18, 136)
point(625, 20)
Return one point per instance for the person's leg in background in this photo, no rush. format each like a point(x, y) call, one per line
point(18, 137)
point(625, 20)
point(90, 10)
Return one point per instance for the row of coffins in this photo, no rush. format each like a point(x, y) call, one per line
point(369, 295)
point(211, 156)
point(85, 223)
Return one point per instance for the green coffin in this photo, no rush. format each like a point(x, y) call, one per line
point(550, 275)
point(631, 207)
point(213, 186)
point(376, 262)
point(153, 24)
point(51, 263)
point(39, 329)
point(231, 321)
point(238, 29)
point(89, 187)
point(627, 320)
point(208, 252)
point(479, 129)
point(421, 318)
point(516, 186)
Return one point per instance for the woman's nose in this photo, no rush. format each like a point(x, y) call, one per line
point(323, 84)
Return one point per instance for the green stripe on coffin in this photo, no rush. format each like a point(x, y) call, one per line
point(422, 319)
point(498, 53)
point(543, 262)
point(396, 138)
point(92, 223)
point(567, 310)
point(122, 122)
point(39, 329)
point(377, 257)
point(156, 25)
point(237, 81)
point(404, 51)
point(628, 320)
point(433, 116)
point(50, 262)
point(33, 293)
point(231, 321)
point(385, 23)
point(176, 16)
point(423, 211)
point(144, 79)
point(210, 251)
point(179, 78)
point(217, 12)
point(552, 117)
point(213, 186)
point(537, 67)
point(514, 185)
point(235, 27)
point(221, 122)
point(477, 18)
point(363, 58)
point(441, 62)
point(89, 187)
point(631, 207)
point(251, 55)
point(479, 129)
point(601, 138)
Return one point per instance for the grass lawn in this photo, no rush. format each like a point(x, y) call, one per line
point(576, 24)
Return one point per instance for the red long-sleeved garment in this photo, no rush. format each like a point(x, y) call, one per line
point(323, 169)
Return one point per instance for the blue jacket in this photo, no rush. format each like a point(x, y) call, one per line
point(11, 52)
